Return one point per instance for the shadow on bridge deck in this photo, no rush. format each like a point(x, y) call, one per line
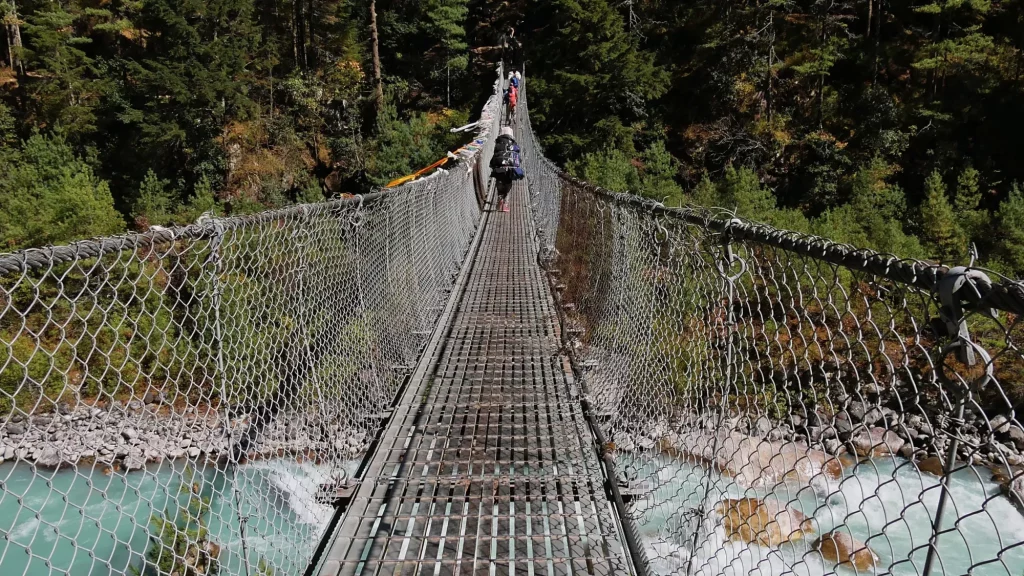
point(487, 465)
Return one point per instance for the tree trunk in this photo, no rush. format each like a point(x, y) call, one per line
point(296, 23)
point(300, 18)
point(769, 99)
point(378, 86)
point(871, 12)
point(877, 48)
point(310, 35)
point(13, 29)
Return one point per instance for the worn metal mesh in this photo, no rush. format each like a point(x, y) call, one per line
point(186, 400)
point(777, 403)
point(773, 403)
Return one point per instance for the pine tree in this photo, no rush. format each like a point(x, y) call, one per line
point(588, 74)
point(705, 194)
point(741, 189)
point(48, 195)
point(448, 54)
point(973, 220)
point(611, 169)
point(939, 224)
point(1010, 233)
point(62, 90)
point(956, 47)
point(192, 79)
point(658, 174)
point(7, 127)
point(871, 194)
point(155, 203)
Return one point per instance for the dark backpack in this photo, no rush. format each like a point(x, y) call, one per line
point(507, 162)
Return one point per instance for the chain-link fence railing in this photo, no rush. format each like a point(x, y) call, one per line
point(778, 403)
point(189, 400)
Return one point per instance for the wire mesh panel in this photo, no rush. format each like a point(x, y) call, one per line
point(778, 403)
point(187, 400)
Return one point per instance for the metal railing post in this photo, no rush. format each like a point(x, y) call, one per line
point(957, 288)
point(725, 266)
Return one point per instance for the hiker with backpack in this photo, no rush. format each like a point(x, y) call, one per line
point(506, 166)
point(511, 98)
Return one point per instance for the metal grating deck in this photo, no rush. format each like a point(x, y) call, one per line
point(487, 465)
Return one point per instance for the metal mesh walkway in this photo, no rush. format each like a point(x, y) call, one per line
point(487, 465)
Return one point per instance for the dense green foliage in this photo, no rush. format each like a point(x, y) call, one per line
point(888, 124)
point(125, 114)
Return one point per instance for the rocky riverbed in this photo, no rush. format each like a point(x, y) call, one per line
point(130, 436)
point(759, 450)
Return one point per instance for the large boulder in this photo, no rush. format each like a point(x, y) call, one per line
point(1011, 481)
point(50, 457)
point(839, 547)
point(134, 461)
point(754, 462)
point(876, 442)
point(931, 465)
point(763, 522)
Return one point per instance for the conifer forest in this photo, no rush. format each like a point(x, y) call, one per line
point(887, 124)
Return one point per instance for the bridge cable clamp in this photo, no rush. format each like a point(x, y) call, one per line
point(958, 292)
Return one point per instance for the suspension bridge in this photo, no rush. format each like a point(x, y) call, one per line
point(409, 382)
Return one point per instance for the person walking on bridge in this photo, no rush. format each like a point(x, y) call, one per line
point(506, 166)
point(511, 98)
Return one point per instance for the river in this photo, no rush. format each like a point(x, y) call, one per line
point(886, 503)
point(87, 522)
point(61, 515)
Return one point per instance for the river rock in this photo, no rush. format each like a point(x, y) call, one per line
point(762, 427)
point(907, 451)
point(843, 425)
point(49, 457)
point(873, 416)
point(1016, 436)
point(194, 452)
point(876, 442)
point(1013, 488)
point(134, 461)
point(129, 434)
point(763, 522)
point(831, 445)
point(856, 411)
point(8, 452)
point(1000, 424)
point(838, 547)
point(753, 462)
point(15, 429)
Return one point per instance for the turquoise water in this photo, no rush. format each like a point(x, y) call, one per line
point(886, 503)
point(87, 522)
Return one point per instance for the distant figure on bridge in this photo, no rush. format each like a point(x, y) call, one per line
point(510, 47)
point(513, 79)
point(511, 99)
point(506, 166)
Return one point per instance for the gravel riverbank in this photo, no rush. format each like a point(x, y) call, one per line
point(130, 436)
